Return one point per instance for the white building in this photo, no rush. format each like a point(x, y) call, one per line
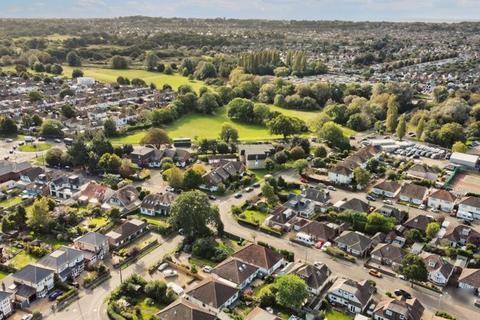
point(442, 200)
point(469, 208)
point(6, 305)
point(466, 160)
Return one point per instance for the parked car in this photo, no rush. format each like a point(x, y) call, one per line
point(476, 303)
point(27, 317)
point(401, 292)
point(370, 198)
point(41, 139)
point(332, 188)
point(163, 266)
point(435, 210)
point(256, 185)
point(57, 141)
point(303, 180)
point(168, 273)
point(238, 195)
point(248, 189)
point(326, 245)
point(388, 201)
point(375, 273)
point(9, 140)
point(212, 197)
point(207, 269)
point(422, 207)
point(54, 295)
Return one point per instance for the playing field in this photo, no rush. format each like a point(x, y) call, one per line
point(466, 182)
point(159, 79)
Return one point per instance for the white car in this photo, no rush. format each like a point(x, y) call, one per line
point(169, 273)
point(27, 317)
point(163, 266)
point(422, 207)
point(387, 201)
point(332, 188)
point(326, 245)
point(207, 269)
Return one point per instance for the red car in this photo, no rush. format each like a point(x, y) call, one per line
point(303, 180)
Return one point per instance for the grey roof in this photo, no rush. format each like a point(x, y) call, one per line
point(94, 238)
point(355, 205)
point(60, 257)
point(234, 270)
point(354, 240)
point(4, 295)
point(8, 167)
point(32, 273)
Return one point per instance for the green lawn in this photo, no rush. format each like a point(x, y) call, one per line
point(3, 275)
point(10, 202)
point(156, 221)
point(34, 147)
point(336, 315)
point(159, 79)
point(97, 222)
point(21, 260)
point(255, 216)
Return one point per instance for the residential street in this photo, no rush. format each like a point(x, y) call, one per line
point(91, 303)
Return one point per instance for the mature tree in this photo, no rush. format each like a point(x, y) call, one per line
point(285, 125)
point(361, 176)
point(337, 112)
point(155, 136)
point(78, 151)
point(413, 268)
point(110, 128)
point(459, 146)
point(51, 128)
point(334, 137)
point(35, 96)
point(156, 290)
point(77, 73)
point(240, 110)
point(432, 229)
point(297, 152)
point(73, 59)
point(292, 291)
point(269, 193)
point(174, 176)
point(119, 62)
point(377, 222)
point(57, 69)
point(440, 94)
point(320, 152)
point(54, 157)
point(205, 70)
point(39, 217)
point(126, 168)
point(151, 61)
point(228, 133)
point(420, 128)
point(207, 103)
point(193, 213)
point(414, 235)
point(300, 165)
point(68, 111)
point(7, 126)
point(192, 179)
point(100, 144)
point(450, 133)
point(392, 114)
point(401, 127)
point(110, 163)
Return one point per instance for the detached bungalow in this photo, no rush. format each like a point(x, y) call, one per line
point(387, 188)
point(354, 242)
point(182, 309)
point(469, 208)
point(459, 235)
point(316, 277)
point(266, 259)
point(355, 296)
point(388, 254)
point(413, 193)
point(126, 232)
point(470, 280)
point(393, 309)
point(236, 272)
point(419, 222)
point(212, 295)
point(442, 200)
point(157, 204)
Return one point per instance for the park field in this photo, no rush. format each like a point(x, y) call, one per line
point(157, 78)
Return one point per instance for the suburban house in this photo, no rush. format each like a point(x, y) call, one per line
point(342, 173)
point(421, 171)
point(469, 208)
point(142, 156)
point(148, 156)
point(469, 280)
point(387, 188)
point(34, 280)
point(254, 155)
point(12, 170)
point(419, 222)
point(303, 207)
point(397, 309)
point(6, 304)
point(413, 193)
point(66, 262)
point(280, 218)
point(459, 235)
point(64, 187)
point(356, 297)
point(316, 277)
point(126, 232)
point(266, 259)
point(125, 198)
point(439, 270)
point(354, 242)
point(320, 231)
point(94, 245)
point(224, 172)
point(95, 193)
point(237, 273)
point(259, 314)
point(388, 254)
point(392, 212)
point(442, 200)
point(182, 309)
point(353, 204)
point(212, 295)
point(157, 204)
point(31, 174)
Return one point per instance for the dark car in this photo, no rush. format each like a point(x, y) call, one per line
point(401, 292)
point(370, 198)
point(212, 197)
point(54, 295)
point(256, 185)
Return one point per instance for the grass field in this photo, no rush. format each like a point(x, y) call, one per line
point(10, 202)
point(159, 79)
point(255, 216)
point(21, 260)
point(336, 315)
point(34, 147)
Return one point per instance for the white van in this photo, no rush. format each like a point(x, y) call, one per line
point(305, 238)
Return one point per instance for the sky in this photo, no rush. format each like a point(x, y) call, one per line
point(356, 10)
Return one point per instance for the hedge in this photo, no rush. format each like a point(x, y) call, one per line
point(271, 231)
point(247, 222)
point(67, 294)
point(113, 315)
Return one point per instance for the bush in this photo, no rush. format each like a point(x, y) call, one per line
point(67, 294)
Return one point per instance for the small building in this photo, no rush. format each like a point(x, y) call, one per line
point(125, 198)
point(94, 245)
point(157, 204)
point(254, 155)
point(442, 200)
point(354, 242)
point(182, 143)
point(126, 232)
point(468, 161)
point(395, 309)
point(259, 314)
point(356, 297)
point(392, 212)
point(469, 208)
point(421, 171)
point(353, 204)
point(321, 231)
point(212, 295)
point(387, 188)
